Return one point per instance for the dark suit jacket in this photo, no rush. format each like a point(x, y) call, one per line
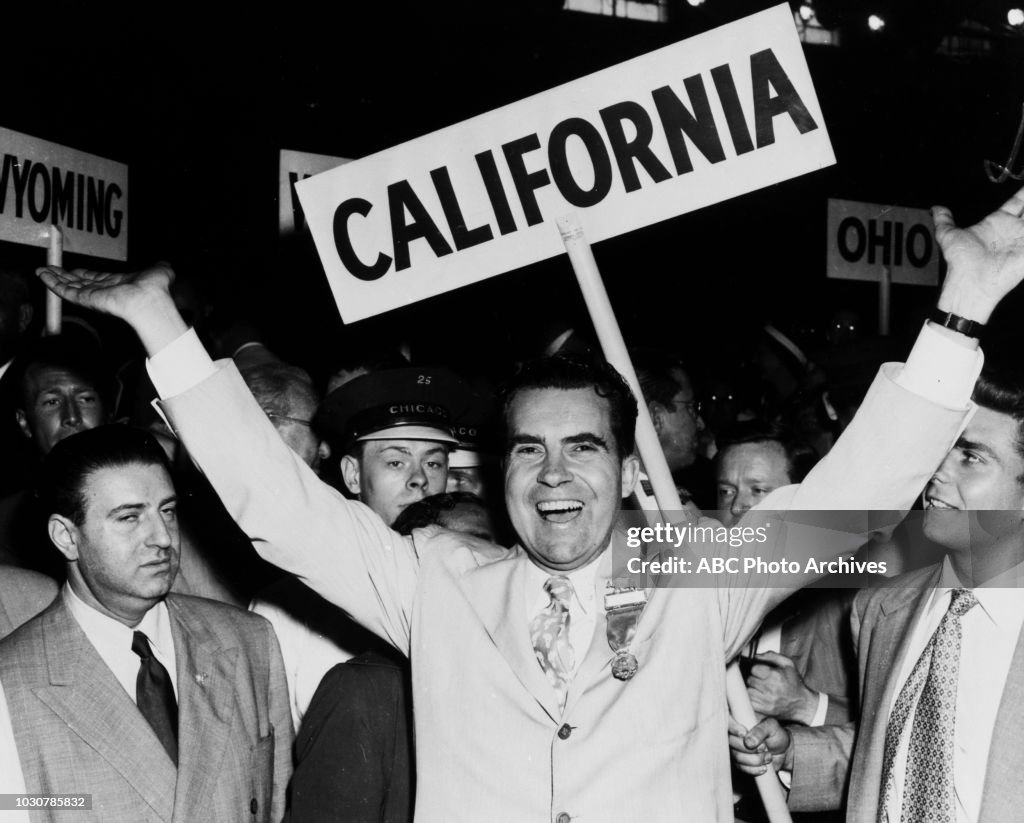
point(78, 731)
point(23, 594)
point(832, 757)
point(353, 753)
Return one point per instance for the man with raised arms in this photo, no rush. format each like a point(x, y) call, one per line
point(520, 714)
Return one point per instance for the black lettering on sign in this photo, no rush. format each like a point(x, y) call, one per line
point(114, 217)
point(766, 74)
point(699, 125)
point(343, 243)
point(558, 159)
point(20, 180)
point(878, 240)
point(63, 199)
point(81, 200)
point(722, 75)
point(638, 150)
point(897, 245)
point(464, 238)
point(402, 199)
point(495, 192)
point(526, 182)
point(851, 254)
point(39, 211)
point(298, 215)
point(5, 176)
point(94, 212)
point(922, 233)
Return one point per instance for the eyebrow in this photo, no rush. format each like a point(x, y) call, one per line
point(408, 451)
point(582, 437)
point(974, 446)
point(137, 507)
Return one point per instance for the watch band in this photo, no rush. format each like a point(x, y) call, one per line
point(961, 325)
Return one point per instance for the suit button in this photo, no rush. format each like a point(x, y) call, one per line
point(253, 806)
point(564, 732)
point(563, 817)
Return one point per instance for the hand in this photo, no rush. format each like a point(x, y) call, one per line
point(143, 299)
point(777, 689)
point(768, 742)
point(986, 261)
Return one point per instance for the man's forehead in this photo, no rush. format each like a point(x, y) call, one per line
point(41, 376)
point(127, 480)
point(559, 409)
point(993, 429)
point(405, 446)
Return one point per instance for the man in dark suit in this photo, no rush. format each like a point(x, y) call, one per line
point(941, 652)
point(161, 707)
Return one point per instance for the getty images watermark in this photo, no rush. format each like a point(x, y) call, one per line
point(839, 549)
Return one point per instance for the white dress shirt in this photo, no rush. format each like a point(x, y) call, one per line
point(306, 653)
point(991, 631)
point(112, 640)
point(582, 605)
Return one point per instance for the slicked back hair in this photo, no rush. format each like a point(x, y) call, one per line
point(571, 372)
point(1000, 387)
point(67, 468)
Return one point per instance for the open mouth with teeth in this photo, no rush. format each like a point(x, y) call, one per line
point(935, 503)
point(559, 511)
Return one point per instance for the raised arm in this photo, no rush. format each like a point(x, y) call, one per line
point(339, 548)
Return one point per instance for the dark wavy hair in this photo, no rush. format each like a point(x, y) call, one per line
point(800, 455)
point(563, 371)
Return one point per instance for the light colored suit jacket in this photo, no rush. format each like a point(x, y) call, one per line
point(23, 594)
point(491, 742)
point(78, 731)
point(883, 620)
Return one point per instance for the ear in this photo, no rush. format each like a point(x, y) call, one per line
point(64, 535)
point(350, 473)
point(630, 473)
point(658, 412)
point(23, 423)
point(324, 450)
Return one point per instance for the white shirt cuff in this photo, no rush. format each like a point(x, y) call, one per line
point(941, 370)
point(819, 715)
point(180, 365)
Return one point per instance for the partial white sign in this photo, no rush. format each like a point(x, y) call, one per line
point(43, 183)
point(706, 119)
point(296, 166)
point(864, 238)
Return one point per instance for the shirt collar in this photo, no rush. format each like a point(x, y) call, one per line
point(999, 598)
point(583, 579)
point(112, 636)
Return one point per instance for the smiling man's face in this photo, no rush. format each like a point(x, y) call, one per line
point(564, 477)
point(982, 474)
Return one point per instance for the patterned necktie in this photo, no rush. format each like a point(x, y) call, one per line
point(154, 695)
point(549, 631)
point(928, 793)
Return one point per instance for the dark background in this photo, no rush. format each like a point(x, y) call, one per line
point(198, 106)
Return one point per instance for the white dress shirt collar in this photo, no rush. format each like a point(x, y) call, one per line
point(112, 639)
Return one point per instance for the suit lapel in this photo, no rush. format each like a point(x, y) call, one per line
point(206, 677)
point(890, 640)
point(1001, 797)
point(497, 594)
point(84, 693)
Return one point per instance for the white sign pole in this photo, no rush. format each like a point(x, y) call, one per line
point(884, 300)
point(614, 347)
point(54, 257)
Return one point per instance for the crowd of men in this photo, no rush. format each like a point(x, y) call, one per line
point(399, 596)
